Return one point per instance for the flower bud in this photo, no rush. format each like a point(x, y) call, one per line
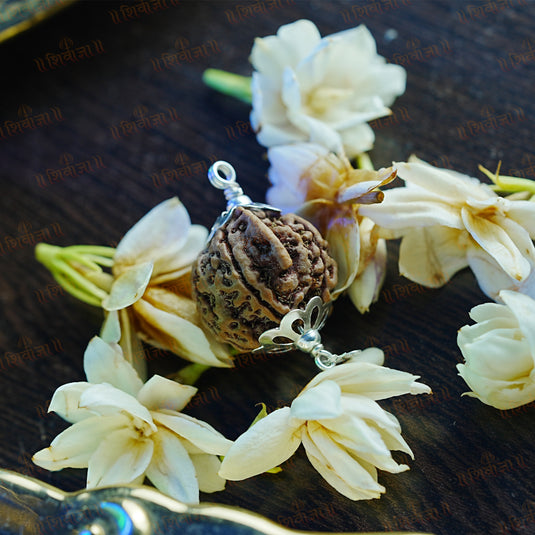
point(499, 351)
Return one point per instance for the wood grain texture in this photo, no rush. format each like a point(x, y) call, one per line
point(452, 486)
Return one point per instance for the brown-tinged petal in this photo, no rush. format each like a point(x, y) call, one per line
point(74, 447)
point(178, 335)
point(365, 289)
point(128, 287)
point(497, 243)
point(339, 226)
point(431, 256)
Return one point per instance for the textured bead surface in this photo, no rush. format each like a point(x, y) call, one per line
point(257, 267)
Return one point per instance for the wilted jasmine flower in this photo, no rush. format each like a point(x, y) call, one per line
point(124, 430)
point(149, 267)
point(147, 295)
point(324, 188)
point(449, 221)
point(306, 88)
point(345, 433)
point(500, 351)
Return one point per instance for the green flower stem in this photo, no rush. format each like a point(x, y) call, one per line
point(67, 285)
point(234, 85)
point(72, 267)
point(190, 374)
point(364, 161)
point(101, 260)
point(99, 250)
point(508, 184)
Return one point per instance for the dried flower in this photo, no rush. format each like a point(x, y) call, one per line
point(345, 433)
point(147, 296)
point(324, 188)
point(500, 351)
point(124, 430)
point(449, 221)
point(306, 88)
point(152, 267)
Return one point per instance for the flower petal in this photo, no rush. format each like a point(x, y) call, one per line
point(431, 256)
point(494, 311)
point(319, 402)
point(66, 402)
point(288, 164)
point(199, 433)
point(111, 327)
point(445, 183)
point(370, 380)
point(105, 400)
point(523, 308)
point(502, 395)
point(344, 243)
point(342, 234)
point(122, 457)
point(74, 447)
point(357, 139)
point(364, 441)
point(180, 336)
point(492, 278)
point(128, 287)
point(104, 363)
point(206, 469)
point(174, 261)
point(165, 226)
point(161, 393)
point(171, 470)
point(272, 134)
point(373, 355)
point(268, 443)
point(292, 43)
point(523, 213)
point(501, 354)
point(408, 207)
point(366, 287)
point(498, 244)
point(339, 469)
point(133, 350)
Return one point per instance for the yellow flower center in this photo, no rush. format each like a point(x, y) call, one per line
point(322, 99)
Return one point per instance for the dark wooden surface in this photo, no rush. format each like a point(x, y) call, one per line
point(473, 471)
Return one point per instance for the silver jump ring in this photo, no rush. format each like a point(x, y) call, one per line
point(222, 175)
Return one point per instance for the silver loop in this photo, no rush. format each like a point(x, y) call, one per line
point(325, 360)
point(222, 175)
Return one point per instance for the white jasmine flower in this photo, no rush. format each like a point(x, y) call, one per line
point(345, 433)
point(324, 188)
point(306, 88)
point(499, 351)
point(151, 286)
point(124, 430)
point(449, 221)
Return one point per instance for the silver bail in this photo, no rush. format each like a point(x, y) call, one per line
point(223, 176)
